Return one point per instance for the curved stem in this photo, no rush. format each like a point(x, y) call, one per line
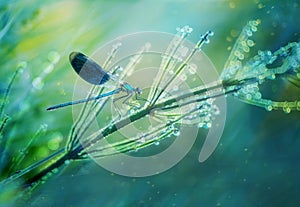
point(76, 152)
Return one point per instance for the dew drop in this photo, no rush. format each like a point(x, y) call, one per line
point(207, 118)
point(22, 65)
point(254, 28)
point(193, 68)
point(269, 108)
point(246, 49)
point(55, 170)
point(200, 125)
point(237, 53)
point(250, 43)
point(258, 95)
point(272, 77)
point(188, 29)
point(176, 133)
point(207, 125)
point(241, 56)
point(183, 77)
point(249, 33)
point(286, 110)
point(49, 68)
point(118, 69)
point(131, 111)
point(142, 140)
point(260, 6)
point(53, 57)
point(298, 106)
point(210, 33)
point(38, 83)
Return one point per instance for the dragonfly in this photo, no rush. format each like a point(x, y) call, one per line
point(94, 74)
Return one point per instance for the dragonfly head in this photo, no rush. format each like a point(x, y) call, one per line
point(138, 90)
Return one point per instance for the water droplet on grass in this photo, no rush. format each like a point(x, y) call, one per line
point(269, 108)
point(53, 57)
point(38, 83)
point(193, 69)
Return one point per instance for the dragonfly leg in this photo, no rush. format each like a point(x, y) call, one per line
point(137, 97)
point(126, 101)
point(116, 106)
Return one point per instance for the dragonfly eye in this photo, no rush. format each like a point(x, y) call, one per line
point(138, 90)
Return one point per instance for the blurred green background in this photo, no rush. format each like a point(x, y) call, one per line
point(255, 164)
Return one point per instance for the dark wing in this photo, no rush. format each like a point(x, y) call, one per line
point(87, 69)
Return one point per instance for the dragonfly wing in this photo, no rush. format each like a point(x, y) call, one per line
point(87, 69)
